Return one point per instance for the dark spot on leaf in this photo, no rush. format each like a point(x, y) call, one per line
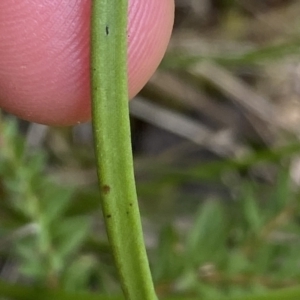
point(106, 189)
point(107, 30)
point(130, 204)
point(108, 216)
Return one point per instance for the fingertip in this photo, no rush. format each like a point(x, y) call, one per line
point(44, 55)
point(150, 29)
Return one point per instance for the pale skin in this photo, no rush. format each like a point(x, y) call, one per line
point(44, 55)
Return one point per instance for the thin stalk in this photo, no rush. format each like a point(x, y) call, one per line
point(110, 114)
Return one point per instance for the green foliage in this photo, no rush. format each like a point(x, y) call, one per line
point(251, 57)
point(41, 235)
point(247, 245)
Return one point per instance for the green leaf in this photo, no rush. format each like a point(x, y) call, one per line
point(76, 276)
point(258, 55)
point(251, 211)
point(208, 234)
point(282, 195)
point(55, 201)
point(168, 263)
point(69, 234)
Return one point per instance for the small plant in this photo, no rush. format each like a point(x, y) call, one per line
point(35, 222)
point(240, 248)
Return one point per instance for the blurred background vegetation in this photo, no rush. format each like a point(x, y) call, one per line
point(215, 135)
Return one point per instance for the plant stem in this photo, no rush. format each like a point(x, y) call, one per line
point(111, 125)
